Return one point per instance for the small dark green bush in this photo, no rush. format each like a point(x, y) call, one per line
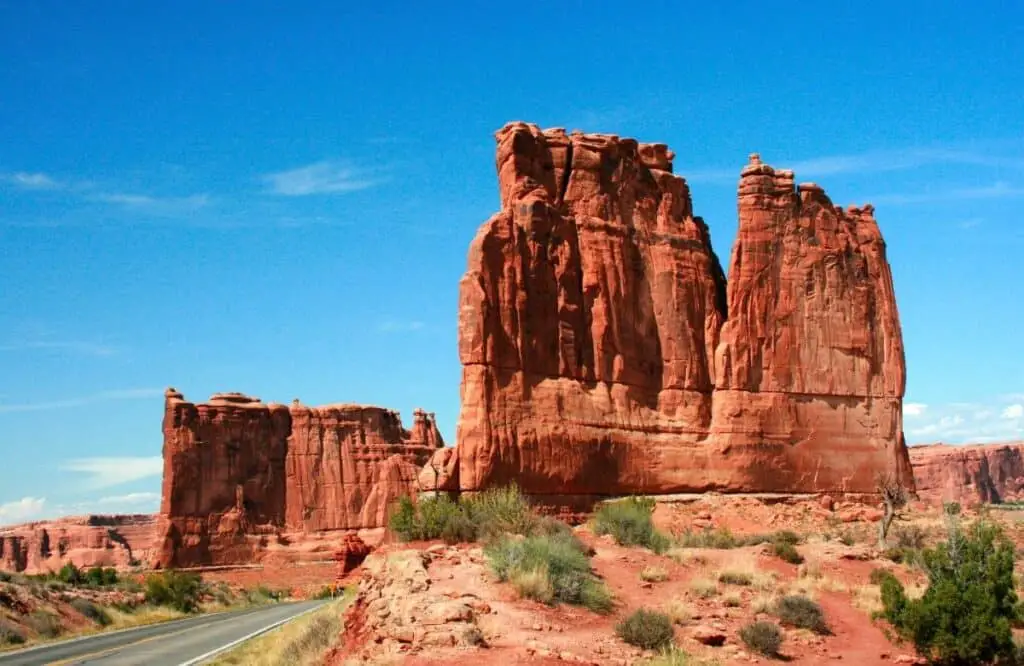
point(9, 634)
point(798, 611)
point(762, 637)
point(951, 508)
point(879, 576)
point(45, 624)
point(71, 575)
point(91, 611)
point(967, 611)
point(325, 592)
point(174, 589)
point(631, 522)
point(787, 552)
point(6, 577)
point(101, 577)
point(910, 537)
point(786, 536)
point(646, 629)
point(912, 557)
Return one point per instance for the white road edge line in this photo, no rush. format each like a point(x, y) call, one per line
point(224, 648)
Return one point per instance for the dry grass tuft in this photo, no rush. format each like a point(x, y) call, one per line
point(301, 642)
point(654, 574)
point(679, 611)
point(703, 588)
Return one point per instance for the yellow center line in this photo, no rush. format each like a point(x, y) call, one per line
point(108, 651)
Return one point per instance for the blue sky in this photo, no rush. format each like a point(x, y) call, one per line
point(278, 200)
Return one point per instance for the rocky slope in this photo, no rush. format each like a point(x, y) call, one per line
point(969, 474)
point(240, 475)
point(604, 353)
point(86, 541)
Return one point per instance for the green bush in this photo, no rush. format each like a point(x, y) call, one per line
point(785, 536)
point(91, 611)
point(735, 578)
point(9, 634)
point(45, 624)
point(550, 567)
point(631, 522)
point(787, 552)
point(966, 613)
point(879, 576)
point(799, 611)
point(762, 637)
point(646, 629)
point(70, 574)
point(484, 515)
point(101, 577)
point(174, 589)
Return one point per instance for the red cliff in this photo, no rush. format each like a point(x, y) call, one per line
point(239, 474)
point(600, 357)
point(969, 474)
point(85, 541)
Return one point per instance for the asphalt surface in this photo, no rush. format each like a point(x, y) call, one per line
point(166, 644)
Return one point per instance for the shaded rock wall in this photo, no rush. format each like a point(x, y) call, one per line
point(604, 353)
point(239, 475)
point(969, 474)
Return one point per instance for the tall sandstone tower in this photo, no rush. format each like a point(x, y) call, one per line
point(604, 353)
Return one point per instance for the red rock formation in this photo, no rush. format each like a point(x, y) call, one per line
point(590, 319)
point(351, 554)
point(238, 473)
point(85, 541)
point(969, 474)
point(811, 373)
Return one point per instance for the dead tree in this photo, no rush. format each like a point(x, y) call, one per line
point(894, 497)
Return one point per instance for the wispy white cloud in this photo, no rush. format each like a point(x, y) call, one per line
point(392, 326)
point(102, 396)
point(32, 181)
point(73, 346)
point(20, 511)
point(326, 177)
point(997, 190)
point(1013, 412)
point(164, 206)
point(1000, 419)
point(113, 471)
point(914, 409)
point(874, 161)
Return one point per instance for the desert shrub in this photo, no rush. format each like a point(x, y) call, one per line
point(174, 589)
point(799, 611)
point(473, 636)
point(631, 522)
point(646, 629)
point(9, 634)
point(762, 637)
point(315, 637)
point(560, 558)
point(533, 584)
point(325, 592)
point(6, 577)
point(847, 538)
point(966, 613)
point(488, 514)
point(262, 594)
point(70, 574)
point(703, 588)
point(732, 600)
point(45, 624)
point(910, 536)
point(671, 656)
point(879, 576)
point(951, 508)
point(912, 557)
point(785, 536)
point(735, 578)
point(787, 552)
point(719, 538)
point(101, 577)
point(654, 574)
point(91, 611)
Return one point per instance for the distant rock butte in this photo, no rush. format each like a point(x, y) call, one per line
point(604, 353)
point(969, 474)
point(240, 475)
point(86, 541)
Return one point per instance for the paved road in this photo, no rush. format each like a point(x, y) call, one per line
point(168, 644)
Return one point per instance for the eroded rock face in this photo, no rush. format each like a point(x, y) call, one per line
point(811, 371)
point(239, 473)
point(85, 541)
point(969, 474)
point(600, 357)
